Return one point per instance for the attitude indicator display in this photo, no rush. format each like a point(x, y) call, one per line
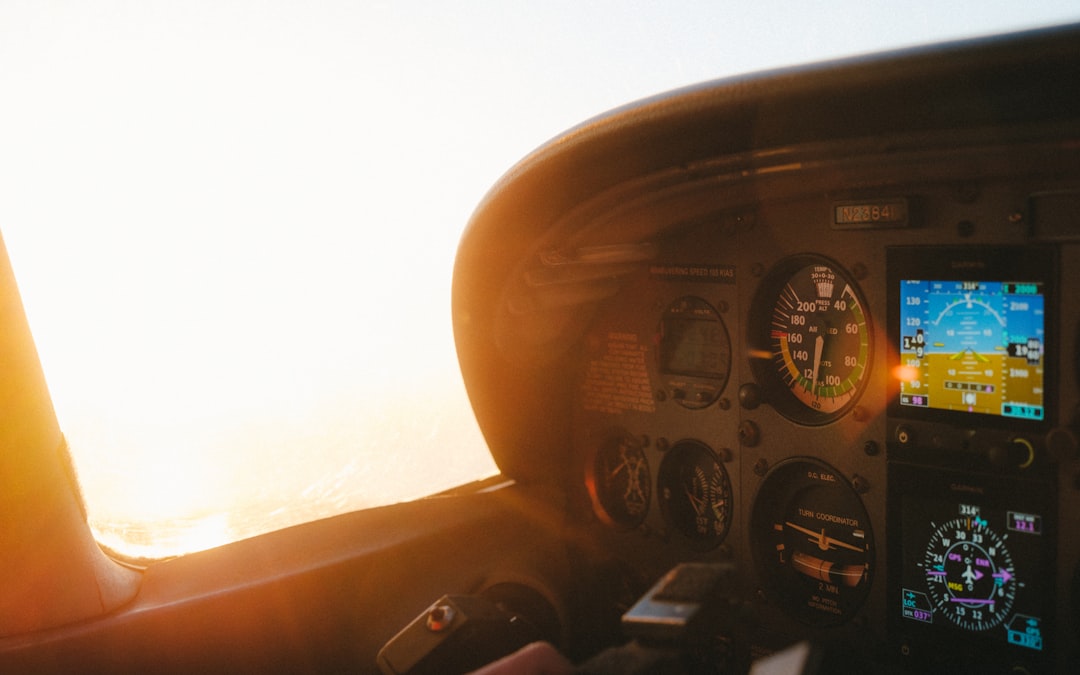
point(973, 346)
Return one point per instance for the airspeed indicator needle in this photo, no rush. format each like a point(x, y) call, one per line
point(819, 346)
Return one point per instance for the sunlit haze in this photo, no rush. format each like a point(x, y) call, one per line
point(233, 223)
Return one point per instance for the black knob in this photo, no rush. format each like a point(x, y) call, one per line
point(1018, 453)
point(749, 396)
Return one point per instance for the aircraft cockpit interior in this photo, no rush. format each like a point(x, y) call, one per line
point(781, 374)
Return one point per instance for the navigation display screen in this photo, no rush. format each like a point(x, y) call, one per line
point(973, 346)
point(975, 564)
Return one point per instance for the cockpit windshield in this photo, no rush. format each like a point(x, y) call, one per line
point(234, 223)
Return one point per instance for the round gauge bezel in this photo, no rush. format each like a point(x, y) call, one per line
point(773, 357)
point(610, 471)
point(812, 542)
point(694, 376)
point(695, 493)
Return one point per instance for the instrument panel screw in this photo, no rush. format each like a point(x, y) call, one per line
point(859, 414)
point(724, 403)
point(859, 271)
point(749, 434)
point(871, 448)
point(662, 444)
point(757, 269)
point(761, 467)
point(661, 395)
point(860, 484)
point(725, 455)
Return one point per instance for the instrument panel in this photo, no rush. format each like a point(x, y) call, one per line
point(864, 421)
point(818, 326)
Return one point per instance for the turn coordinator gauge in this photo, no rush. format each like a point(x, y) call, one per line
point(812, 542)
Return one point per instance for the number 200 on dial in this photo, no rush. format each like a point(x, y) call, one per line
point(812, 339)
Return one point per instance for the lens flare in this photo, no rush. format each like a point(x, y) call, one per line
point(904, 373)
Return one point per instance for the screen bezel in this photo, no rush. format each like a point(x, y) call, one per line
point(975, 263)
point(910, 483)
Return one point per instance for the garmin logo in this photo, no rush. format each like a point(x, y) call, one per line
point(967, 264)
point(960, 487)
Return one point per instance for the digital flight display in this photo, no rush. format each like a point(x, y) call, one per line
point(694, 340)
point(975, 561)
point(694, 347)
point(974, 346)
point(694, 352)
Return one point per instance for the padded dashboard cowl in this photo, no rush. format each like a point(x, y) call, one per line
point(559, 198)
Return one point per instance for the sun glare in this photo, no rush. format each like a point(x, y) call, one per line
point(234, 222)
point(904, 373)
point(246, 324)
point(162, 539)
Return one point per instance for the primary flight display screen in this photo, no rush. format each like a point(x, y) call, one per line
point(975, 346)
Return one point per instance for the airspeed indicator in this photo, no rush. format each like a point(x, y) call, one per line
point(811, 337)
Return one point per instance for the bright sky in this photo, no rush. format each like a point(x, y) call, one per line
point(234, 222)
